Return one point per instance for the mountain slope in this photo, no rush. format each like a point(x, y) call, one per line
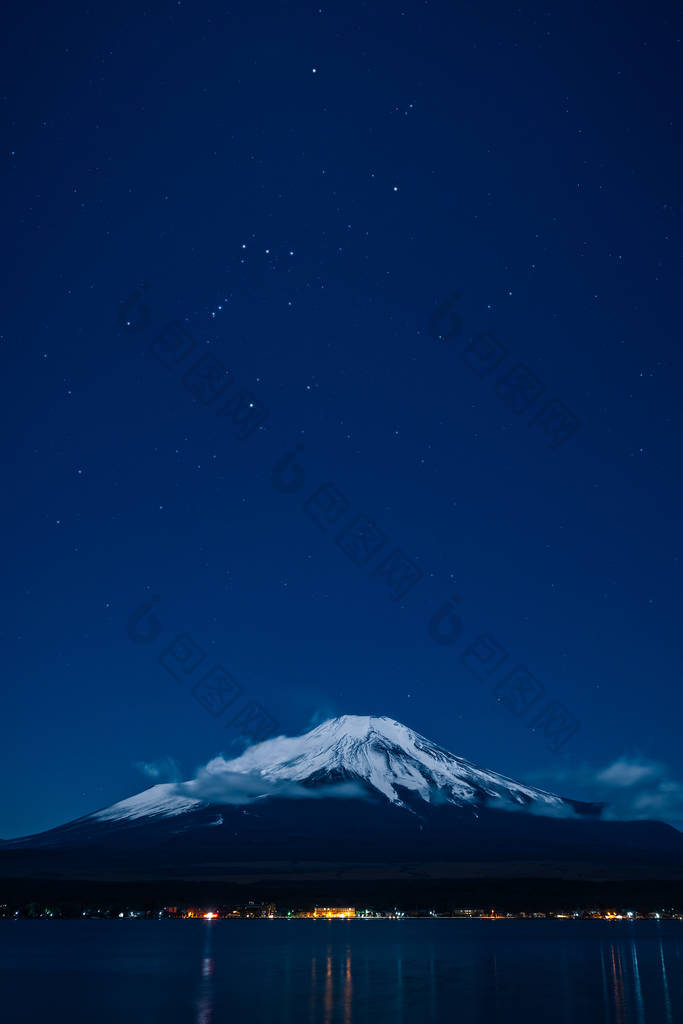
point(385, 755)
point(357, 794)
point(380, 756)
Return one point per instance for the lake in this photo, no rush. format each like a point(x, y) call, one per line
point(222, 972)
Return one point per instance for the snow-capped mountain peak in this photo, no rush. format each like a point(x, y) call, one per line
point(353, 755)
point(384, 755)
point(358, 793)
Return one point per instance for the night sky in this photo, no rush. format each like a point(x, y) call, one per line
point(432, 250)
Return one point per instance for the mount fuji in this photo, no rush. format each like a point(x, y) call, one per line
point(355, 797)
point(345, 757)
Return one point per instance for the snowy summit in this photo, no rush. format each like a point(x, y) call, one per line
point(382, 755)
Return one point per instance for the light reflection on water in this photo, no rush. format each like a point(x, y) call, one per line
point(614, 995)
point(665, 985)
point(205, 993)
point(354, 972)
point(342, 987)
point(636, 983)
point(348, 988)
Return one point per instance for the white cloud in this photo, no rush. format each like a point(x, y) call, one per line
point(220, 785)
point(165, 770)
point(624, 773)
point(633, 788)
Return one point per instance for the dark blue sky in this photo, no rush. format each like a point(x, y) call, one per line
point(301, 188)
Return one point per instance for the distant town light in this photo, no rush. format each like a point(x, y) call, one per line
point(331, 913)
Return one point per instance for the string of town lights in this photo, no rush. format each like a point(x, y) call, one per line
point(263, 911)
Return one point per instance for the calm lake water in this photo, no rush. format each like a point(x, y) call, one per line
point(195, 972)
